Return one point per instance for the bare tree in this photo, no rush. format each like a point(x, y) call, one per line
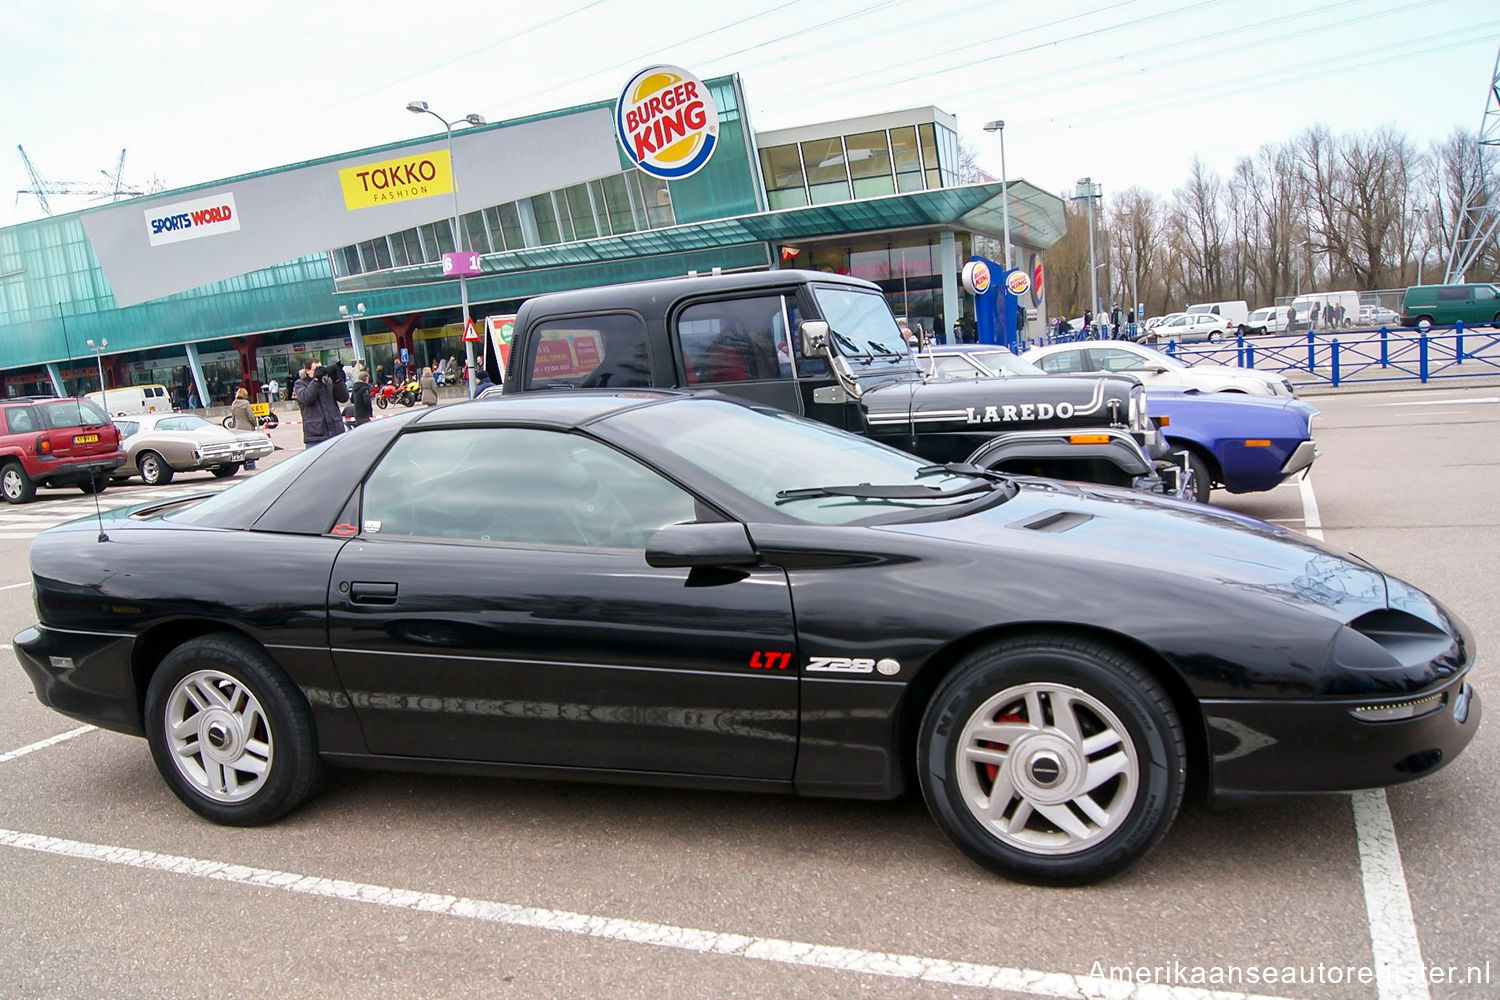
point(1135, 225)
point(1198, 227)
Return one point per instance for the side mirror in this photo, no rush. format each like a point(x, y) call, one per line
point(814, 336)
point(714, 544)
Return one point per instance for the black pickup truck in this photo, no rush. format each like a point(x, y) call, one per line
point(827, 347)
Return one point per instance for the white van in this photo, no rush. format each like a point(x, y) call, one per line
point(1270, 319)
point(127, 399)
point(1234, 312)
point(1325, 301)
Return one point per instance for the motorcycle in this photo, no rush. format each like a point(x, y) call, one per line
point(406, 395)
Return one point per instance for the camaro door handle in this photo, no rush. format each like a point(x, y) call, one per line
point(364, 592)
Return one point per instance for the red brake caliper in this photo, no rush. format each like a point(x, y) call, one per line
point(991, 770)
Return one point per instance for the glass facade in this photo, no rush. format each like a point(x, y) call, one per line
point(910, 274)
point(626, 202)
point(860, 165)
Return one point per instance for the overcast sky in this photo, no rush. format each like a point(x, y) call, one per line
point(1125, 91)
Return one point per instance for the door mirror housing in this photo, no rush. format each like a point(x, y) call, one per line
point(717, 543)
point(814, 337)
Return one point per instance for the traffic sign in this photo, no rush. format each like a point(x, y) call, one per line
point(471, 335)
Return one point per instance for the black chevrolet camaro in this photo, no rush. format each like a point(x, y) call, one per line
point(649, 587)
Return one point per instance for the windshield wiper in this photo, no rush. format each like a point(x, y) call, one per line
point(850, 346)
point(882, 350)
point(891, 491)
point(964, 469)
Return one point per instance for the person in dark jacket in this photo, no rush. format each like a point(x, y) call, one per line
point(359, 396)
point(319, 391)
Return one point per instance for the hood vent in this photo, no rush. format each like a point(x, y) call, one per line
point(1054, 520)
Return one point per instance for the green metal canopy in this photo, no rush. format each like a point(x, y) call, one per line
point(1036, 219)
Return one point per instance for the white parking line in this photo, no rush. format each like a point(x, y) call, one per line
point(44, 744)
point(13, 586)
point(1461, 401)
point(895, 966)
point(1397, 950)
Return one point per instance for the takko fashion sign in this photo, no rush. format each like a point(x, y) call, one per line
point(190, 220)
point(418, 175)
point(667, 122)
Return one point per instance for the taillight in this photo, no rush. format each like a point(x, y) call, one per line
point(43, 445)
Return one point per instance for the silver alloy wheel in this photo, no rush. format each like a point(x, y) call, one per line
point(12, 483)
point(1047, 768)
point(219, 736)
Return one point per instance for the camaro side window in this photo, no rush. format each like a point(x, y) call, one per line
point(590, 352)
point(735, 340)
point(519, 485)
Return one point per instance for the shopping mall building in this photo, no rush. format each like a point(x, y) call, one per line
point(236, 281)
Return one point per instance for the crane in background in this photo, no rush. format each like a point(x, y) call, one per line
point(114, 190)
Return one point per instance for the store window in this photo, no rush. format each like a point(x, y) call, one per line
point(437, 238)
point(827, 175)
point(870, 164)
point(929, 155)
point(740, 340)
point(656, 197)
point(781, 168)
point(406, 248)
point(617, 207)
point(582, 211)
point(546, 218)
point(375, 255)
point(474, 232)
point(907, 157)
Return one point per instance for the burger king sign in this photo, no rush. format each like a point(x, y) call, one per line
point(667, 122)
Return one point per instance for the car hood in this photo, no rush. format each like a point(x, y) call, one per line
point(1167, 399)
point(1198, 553)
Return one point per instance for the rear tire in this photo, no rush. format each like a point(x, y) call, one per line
point(154, 469)
point(230, 733)
point(1215, 337)
point(1052, 760)
point(15, 484)
point(225, 471)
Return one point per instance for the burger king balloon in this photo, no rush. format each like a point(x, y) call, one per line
point(667, 122)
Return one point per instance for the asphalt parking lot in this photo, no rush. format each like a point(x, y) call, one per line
point(401, 885)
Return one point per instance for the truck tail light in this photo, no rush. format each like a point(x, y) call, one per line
point(43, 444)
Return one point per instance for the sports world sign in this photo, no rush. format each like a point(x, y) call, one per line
point(418, 176)
point(667, 122)
point(191, 220)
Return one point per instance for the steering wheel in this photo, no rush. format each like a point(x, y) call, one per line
point(607, 522)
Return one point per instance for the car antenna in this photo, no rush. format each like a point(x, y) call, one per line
point(98, 513)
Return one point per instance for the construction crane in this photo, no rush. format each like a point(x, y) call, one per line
point(116, 190)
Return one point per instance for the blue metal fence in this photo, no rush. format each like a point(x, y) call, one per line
point(1362, 356)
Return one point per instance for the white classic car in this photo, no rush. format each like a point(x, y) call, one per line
point(160, 445)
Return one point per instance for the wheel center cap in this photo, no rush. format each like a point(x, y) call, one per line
point(217, 736)
point(220, 735)
point(1046, 769)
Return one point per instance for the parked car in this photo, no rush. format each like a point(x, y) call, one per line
point(1271, 319)
point(1191, 327)
point(55, 443)
point(1153, 368)
point(1237, 442)
point(1378, 316)
point(160, 445)
point(650, 585)
point(1444, 305)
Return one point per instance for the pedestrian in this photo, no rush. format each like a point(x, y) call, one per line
point(1117, 317)
point(400, 372)
point(450, 369)
point(1291, 319)
point(319, 394)
point(273, 390)
point(359, 398)
point(429, 387)
point(380, 376)
point(240, 417)
point(1312, 318)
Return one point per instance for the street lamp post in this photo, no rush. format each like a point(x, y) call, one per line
point(421, 108)
point(999, 126)
point(98, 350)
point(1087, 191)
point(356, 343)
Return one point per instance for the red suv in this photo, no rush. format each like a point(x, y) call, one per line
point(55, 442)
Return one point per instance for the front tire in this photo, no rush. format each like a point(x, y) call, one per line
point(381, 402)
point(154, 469)
point(1052, 760)
point(15, 484)
point(1202, 484)
point(229, 732)
point(1215, 337)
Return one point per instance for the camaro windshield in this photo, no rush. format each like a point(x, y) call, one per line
point(764, 454)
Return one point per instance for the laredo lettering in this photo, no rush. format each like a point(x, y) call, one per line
point(1010, 413)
